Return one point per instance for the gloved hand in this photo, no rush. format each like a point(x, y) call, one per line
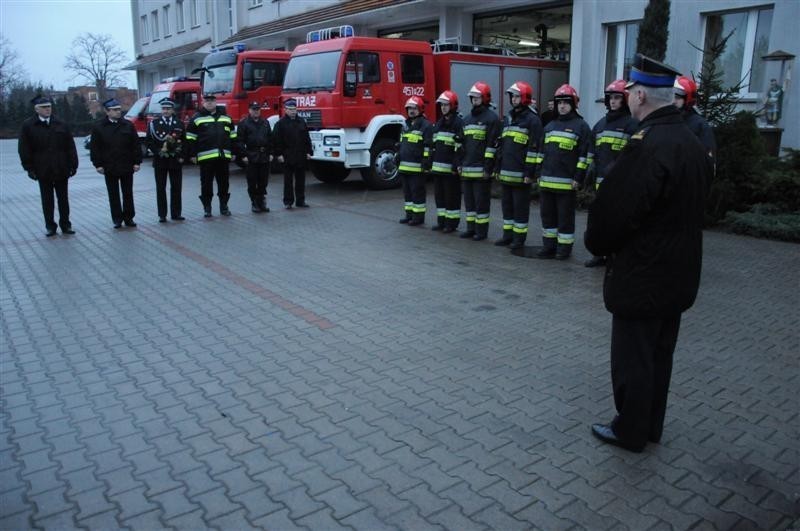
point(32, 176)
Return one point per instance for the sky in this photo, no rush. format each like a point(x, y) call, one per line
point(42, 31)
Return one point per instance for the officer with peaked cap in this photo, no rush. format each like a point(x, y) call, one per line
point(115, 153)
point(165, 139)
point(47, 152)
point(292, 145)
point(648, 218)
point(254, 142)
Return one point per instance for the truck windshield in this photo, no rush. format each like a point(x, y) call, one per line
point(312, 72)
point(219, 79)
point(155, 101)
point(136, 108)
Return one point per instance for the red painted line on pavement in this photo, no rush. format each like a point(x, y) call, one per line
point(259, 291)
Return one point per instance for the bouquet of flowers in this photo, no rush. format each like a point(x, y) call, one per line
point(172, 146)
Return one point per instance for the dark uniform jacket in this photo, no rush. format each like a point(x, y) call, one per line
point(481, 130)
point(255, 140)
point(413, 152)
point(648, 217)
point(115, 146)
point(565, 153)
point(291, 139)
point(47, 151)
point(698, 125)
point(609, 136)
point(518, 150)
point(161, 132)
point(210, 135)
point(446, 140)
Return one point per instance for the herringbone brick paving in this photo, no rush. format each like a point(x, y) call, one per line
point(330, 369)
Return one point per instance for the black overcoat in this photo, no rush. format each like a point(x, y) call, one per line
point(48, 151)
point(115, 146)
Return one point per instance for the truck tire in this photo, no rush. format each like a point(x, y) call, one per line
point(329, 172)
point(382, 172)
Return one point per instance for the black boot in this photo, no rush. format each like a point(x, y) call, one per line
point(407, 217)
point(223, 205)
point(262, 203)
point(418, 218)
point(470, 232)
point(450, 225)
point(254, 207)
point(439, 223)
point(563, 251)
point(206, 207)
point(548, 249)
point(506, 239)
point(481, 231)
point(518, 241)
point(595, 261)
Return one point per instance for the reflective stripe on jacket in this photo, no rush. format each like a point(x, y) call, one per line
point(210, 135)
point(414, 149)
point(565, 153)
point(481, 131)
point(518, 151)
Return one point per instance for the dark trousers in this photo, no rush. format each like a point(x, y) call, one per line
point(48, 190)
point(477, 202)
point(257, 180)
point(414, 194)
point(516, 202)
point(124, 183)
point(294, 184)
point(175, 175)
point(447, 194)
point(641, 367)
point(214, 169)
point(558, 218)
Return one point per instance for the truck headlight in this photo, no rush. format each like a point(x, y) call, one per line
point(332, 141)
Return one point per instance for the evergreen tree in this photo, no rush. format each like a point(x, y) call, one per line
point(653, 33)
point(715, 101)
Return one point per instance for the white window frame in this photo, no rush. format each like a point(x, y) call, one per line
point(165, 12)
point(622, 37)
point(194, 19)
point(154, 29)
point(144, 29)
point(256, 3)
point(180, 16)
point(749, 45)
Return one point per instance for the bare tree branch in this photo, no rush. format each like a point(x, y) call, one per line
point(97, 59)
point(11, 73)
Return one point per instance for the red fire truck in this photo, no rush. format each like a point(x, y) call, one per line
point(184, 91)
point(238, 76)
point(352, 90)
point(137, 116)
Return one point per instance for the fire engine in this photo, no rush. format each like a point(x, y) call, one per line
point(351, 91)
point(238, 76)
point(184, 91)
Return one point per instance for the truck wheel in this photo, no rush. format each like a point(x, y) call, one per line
point(329, 172)
point(382, 171)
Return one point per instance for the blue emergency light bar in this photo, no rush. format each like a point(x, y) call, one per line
point(336, 32)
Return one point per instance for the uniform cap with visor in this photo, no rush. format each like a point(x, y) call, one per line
point(651, 73)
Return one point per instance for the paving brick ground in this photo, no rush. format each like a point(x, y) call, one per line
point(329, 368)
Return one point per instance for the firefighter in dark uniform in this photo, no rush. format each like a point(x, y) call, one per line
point(115, 153)
point(47, 153)
point(518, 158)
point(609, 135)
point(685, 99)
point(648, 218)
point(447, 137)
point(481, 130)
point(255, 143)
point(413, 154)
point(564, 163)
point(292, 145)
point(166, 142)
point(209, 136)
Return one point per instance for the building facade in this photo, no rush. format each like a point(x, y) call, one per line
point(597, 38)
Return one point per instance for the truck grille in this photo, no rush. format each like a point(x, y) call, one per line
point(313, 117)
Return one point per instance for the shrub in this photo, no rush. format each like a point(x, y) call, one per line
point(766, 221)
